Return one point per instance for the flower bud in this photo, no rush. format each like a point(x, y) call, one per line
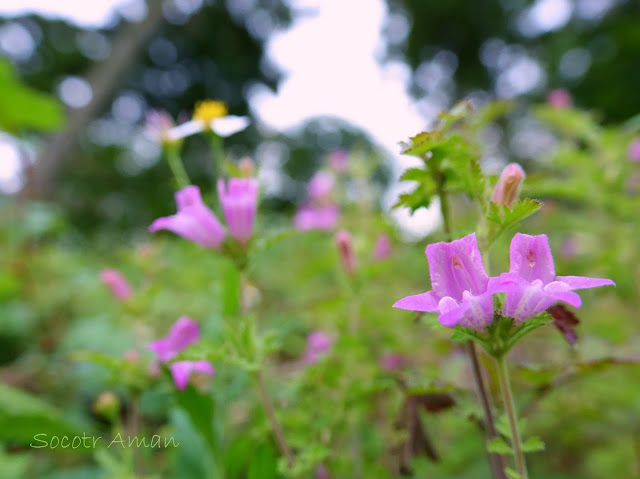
point(107, 405)
point(508, 185)
point(382, 248)
point(633, 152)
point(345, 249)
point(117, 283)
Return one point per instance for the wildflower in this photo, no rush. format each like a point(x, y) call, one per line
point(459, 284)
point(116, 283)
point(239, 199)
point(157, 126)
point(382, 248)
point(318, 343)
point(338, 160)
point(394, 361)
point(320, 186)
point(559, 98)
point(508, 185)
point(312, 217)
point(345, 249)
point(181, 371)
point(633, 152)
point(210, 115)
point(185, 331)
point(531, 283)
point(193, 220)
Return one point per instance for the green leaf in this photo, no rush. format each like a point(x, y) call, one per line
point(231, 290)
point(23, 107)
point(264, 463)
point(200, 410)
point(23, 416)
point(498, 445)
point(503, 218)
point(422, 143)
point(528, 326)
point(533, 444)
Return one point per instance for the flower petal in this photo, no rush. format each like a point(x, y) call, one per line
point(185, 129)
point(181, 371)
point(584, 282)
point(531, 258)
point(228, 125)
point(561, 291)
point(185, 331)
point(425, 302)
point(457, 267)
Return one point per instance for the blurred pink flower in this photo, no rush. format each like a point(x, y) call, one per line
point(181, 371)
point(116, 283)
point(559, 98)
point(382, 248)
point(157, 125)
point(339, 159)
point(344, 241)
point(311, 217)
point(508, 185)
point(193, 221)
point(131, 355)
point(239, 200)
point(394, 361)
point(185, 331)
point(320, 186)
point(318, 343)
point(633, 152)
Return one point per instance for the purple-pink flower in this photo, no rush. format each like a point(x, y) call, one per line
point(559, 98)
point(382, 248)
point(181, 371)
point(339, 159)
point(320, 186)
point(185, 331)
point(633, 151)
point(394, 361)
point(508, 185)
point(531, 283)
point(116, 283)
point(459, 283)
point(318, 343)
point(193, 221)
point(312, 217)
point(239, 200)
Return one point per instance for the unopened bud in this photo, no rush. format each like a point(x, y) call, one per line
point(382, 248)
point(559, 98)
point(508, 185)
point(107, 405)
point(345, 249)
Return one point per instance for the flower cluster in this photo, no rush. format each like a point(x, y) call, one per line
point(318, 212)
point(463, 293)
point(196, 222)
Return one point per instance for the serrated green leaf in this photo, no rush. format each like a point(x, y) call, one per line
point(533, 444)
point(502, 218)
point(415, 174)
point(422, 143)
point(512, 473)
point(497, 445)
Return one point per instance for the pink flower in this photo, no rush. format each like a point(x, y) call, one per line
point(531, 283)
point(157, 125)
point(310, 217)
point(345, 249)
point(185, 331)
point(181, 371)
point(239, 199)
point(116, 283)
point(559, 98)
point(193, 221)
point(320, 186)
point(338, 160)
point(633, 152)
point(382, 248)
point(318, 343)
point(394, 361)
point(508, 185)
point(459, 284)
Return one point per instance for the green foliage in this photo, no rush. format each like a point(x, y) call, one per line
point(502, 218)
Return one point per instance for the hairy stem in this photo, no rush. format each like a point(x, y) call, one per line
point(275, 425)
point(509, 404)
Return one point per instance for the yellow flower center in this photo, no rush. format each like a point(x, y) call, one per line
point(208, 110)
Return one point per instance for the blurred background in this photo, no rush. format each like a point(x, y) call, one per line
point(81, 180)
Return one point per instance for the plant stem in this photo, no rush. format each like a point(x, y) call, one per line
point(177, 168)
point(496, 460)
point(516, 442)
point(217, 156)
point(275, 425)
